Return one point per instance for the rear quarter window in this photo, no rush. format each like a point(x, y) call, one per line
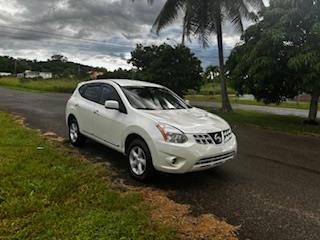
point(82, 89)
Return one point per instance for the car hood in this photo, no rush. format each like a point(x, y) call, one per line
point(192, 120)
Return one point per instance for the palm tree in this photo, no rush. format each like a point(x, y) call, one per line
point(203, 18)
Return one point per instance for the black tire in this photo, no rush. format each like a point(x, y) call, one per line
point(149, 168)
point(75, 137)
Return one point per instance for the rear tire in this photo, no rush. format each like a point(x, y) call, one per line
point(140, 160)
point(75, 137)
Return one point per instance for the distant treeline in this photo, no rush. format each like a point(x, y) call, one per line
point(58, 65)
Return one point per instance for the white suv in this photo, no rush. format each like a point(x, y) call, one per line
point(151, 125)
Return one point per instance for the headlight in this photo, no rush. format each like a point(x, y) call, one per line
point(171, 134)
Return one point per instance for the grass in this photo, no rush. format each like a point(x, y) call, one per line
point(215, 88)
point(53, 193)
point(288, 124)
point(52, 85)
point(235, 100)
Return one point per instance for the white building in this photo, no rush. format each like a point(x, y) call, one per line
point(5, 74)
point(31, 74)
point(34, 74)
point(45, 75)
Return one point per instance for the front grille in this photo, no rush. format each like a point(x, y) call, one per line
point(209, 160)
point(203, 139)
point(214, 138)
point(227, 135)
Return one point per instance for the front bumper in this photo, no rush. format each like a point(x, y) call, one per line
point(191, 156)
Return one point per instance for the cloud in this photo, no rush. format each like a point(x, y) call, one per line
point(96, 32)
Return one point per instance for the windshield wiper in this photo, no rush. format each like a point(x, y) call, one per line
point(145, 108)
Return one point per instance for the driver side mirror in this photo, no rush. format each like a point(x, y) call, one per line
point(110, 104)
point(187, 102)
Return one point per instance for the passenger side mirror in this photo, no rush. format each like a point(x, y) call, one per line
point(112, 105)
point(187, 102)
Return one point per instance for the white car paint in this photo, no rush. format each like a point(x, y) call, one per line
point(112, 128)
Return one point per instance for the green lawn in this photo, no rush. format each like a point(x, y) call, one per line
point(288, 124)
point(233, 99)
point(52, 85)
point(53, 193)
point(213, 88)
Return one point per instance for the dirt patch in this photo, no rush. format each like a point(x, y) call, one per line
point(51, 136)
point(19, 119)
point(177, 215)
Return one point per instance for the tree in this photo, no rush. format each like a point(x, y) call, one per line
point(280, 56)
point(59, 68)
point(59, 58)
point(211, 73)
point(205, 17)
point(121, 74)
point(174, 67)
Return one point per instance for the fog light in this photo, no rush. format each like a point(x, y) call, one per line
point(173, 161)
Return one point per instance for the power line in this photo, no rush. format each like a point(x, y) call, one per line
point(75, 38)
point(61, 37)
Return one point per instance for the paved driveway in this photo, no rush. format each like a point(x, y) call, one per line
point(272, 190)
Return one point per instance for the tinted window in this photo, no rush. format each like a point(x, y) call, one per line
point(82, 90)
point(153, 98)
point(92, 93)
point(109, 93)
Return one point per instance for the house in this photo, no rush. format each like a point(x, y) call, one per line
point(5, 74)
point(45, 75)
point(31, 74)
point(34, 74)
point(20, 75)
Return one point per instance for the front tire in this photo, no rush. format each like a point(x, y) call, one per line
point(140, 160)
point(75, 137)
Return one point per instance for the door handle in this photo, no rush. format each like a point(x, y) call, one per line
point(77, 105)
point(96, 112)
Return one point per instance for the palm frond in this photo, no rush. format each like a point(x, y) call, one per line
point(168, 14)
point(202, 16)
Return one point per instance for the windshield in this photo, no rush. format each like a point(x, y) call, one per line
point(153, 98)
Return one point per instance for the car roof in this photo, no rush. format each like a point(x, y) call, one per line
point(126, 83)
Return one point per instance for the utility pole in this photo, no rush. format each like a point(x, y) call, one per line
point(15, 67)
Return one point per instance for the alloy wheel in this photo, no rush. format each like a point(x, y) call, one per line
point(73, 132)
point(138, 160)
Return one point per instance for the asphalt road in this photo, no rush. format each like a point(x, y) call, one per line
point(266, 109)
point(272, 190)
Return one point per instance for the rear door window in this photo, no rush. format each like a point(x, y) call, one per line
point(92, 93)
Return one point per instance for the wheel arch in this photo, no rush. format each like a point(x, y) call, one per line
point(71, 116)
point(131, 137)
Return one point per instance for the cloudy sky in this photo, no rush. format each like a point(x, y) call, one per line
point(93, 32)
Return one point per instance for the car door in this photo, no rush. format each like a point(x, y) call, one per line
point(109, 124)
point(91, 95)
